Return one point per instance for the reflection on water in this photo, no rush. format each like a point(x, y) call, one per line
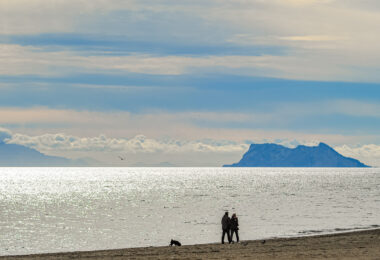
point(66, 209)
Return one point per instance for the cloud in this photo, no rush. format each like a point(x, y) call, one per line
point(187, 138)
point(302, 2)
point(346, 107)
point(19, 60)
point(206, 152)
point(138, 144)
point(317, 49)
point(316, 45)
point(153, 152)
point(39, 16)
point(5, 134)
point(284, 120)
point(158, 124)
point(354, 108)
point(310, 38)
point(369, 153)
point(324, 40)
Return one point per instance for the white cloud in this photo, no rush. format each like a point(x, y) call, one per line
point(311, 38)
point(40, 16)
point(347, 107)
point(354, 108)
point(369, 154)
point(42, 115)
point(5, 134)
point(302, 2)
point(329, 40)
point(206, 152)
point(138, 149)
point(138, 144)
point(156, 124)
point(18, 60)
point(190, 125)
point(324, 40)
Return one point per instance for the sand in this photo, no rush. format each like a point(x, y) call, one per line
point(353, 245)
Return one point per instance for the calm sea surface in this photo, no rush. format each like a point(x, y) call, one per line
point(70, 209)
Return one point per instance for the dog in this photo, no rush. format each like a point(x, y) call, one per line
point(175, 243)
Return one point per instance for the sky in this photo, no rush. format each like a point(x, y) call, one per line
point(189, 83)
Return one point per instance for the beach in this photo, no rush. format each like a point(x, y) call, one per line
point(350, 245)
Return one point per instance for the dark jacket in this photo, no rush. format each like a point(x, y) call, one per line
point(225, 222)
point(234, 224)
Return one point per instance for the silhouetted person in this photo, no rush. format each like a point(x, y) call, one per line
point(234, 227)
point(226, 227)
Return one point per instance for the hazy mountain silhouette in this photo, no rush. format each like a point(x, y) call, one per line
point(18, 155)
point(274, 155)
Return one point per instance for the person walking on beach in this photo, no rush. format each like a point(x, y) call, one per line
point(226, 227)
point(234, 227)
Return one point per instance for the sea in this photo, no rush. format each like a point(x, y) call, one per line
point(79, 209)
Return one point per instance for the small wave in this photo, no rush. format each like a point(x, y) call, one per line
point(355, 228)
point(336, 230)
point(344, 229)
point(310, 231)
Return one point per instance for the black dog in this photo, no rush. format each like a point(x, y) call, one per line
point(175, 242)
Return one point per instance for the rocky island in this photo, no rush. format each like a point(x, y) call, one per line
point(274, 155)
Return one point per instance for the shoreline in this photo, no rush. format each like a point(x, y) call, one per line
point(363, 244)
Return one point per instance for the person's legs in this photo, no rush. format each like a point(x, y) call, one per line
point(237, 235)
point(224, 233)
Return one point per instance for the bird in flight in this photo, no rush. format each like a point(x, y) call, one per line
point(121, 158)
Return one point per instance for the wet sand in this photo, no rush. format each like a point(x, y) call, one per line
point(353, 245)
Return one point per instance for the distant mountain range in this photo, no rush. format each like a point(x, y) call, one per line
point(18, 155)
point(274, 155)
